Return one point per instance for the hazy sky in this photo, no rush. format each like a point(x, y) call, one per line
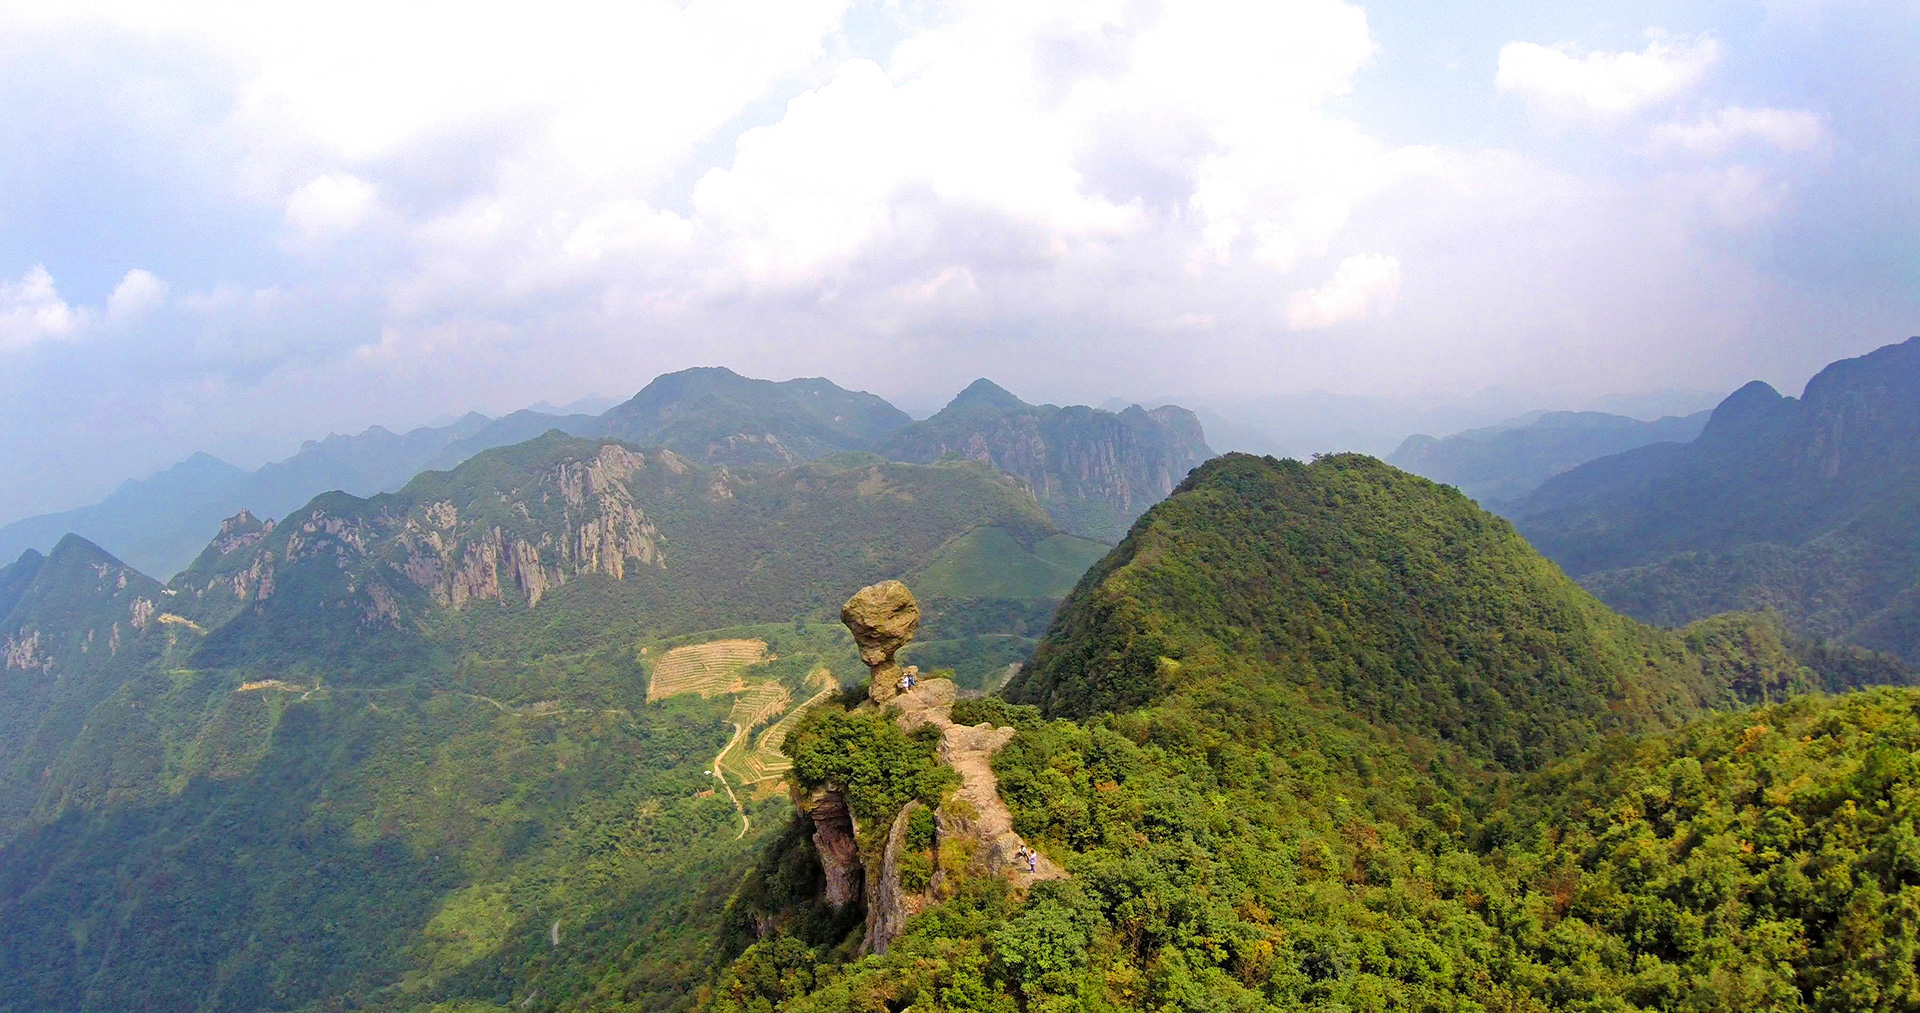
point(231, 226)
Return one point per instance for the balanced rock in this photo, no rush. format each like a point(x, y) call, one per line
point(882, 618)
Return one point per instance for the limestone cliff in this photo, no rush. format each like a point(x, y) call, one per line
point(513, 540)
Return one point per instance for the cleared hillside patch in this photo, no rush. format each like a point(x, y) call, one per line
point(709, 669)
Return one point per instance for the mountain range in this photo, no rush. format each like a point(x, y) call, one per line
point(158, 523)
point(1808, 506)
point(1328, 736)
point(573, 723)
point(1504, 462)
point(1093, 470)
point(488, 682)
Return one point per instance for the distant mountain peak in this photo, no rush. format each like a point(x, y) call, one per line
point(984, 397)
point(1092, 470)
point(73, 549)
point(1753, 406)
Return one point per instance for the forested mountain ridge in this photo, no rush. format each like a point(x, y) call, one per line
point(677, 545)
point(1290, 787)
point(1810, 506)
point(714, 414)
point(1496, 464)
point(158, 523)
point(1379, 593)
point(75, 625)
point(452, 748)
point(1093, 470)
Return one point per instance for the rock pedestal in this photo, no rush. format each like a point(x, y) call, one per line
point(882, 618)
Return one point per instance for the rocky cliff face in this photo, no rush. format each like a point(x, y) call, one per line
point(835, 841)
point(1093, 471)
point(516, 540)
point(599, 529)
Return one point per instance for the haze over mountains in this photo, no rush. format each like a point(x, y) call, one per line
point(1390, 658)
point(1093, 470)
point(1503, 462)
point(1808, 505)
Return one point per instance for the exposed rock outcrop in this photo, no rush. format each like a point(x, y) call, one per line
point(890, 904)
point(834, 833)
point(241, 531)
point(600, 530)
point(24, 653)
point(972, 831)
point(973, 820)
point(882, 618)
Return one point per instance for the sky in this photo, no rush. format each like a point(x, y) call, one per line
point(234, 226)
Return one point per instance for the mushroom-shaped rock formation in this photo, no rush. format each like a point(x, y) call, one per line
point(882, 618)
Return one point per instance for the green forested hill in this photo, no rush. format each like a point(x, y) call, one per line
point(75, 625)
point(1314, 736)
point(714, 414)
point(1759, 859)
point(1372, 590)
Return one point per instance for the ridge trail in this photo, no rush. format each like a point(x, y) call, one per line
point(969, 751)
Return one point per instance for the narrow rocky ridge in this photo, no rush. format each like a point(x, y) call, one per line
point(883, 619)
point(969, 750)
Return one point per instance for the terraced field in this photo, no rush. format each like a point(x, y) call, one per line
point(757, 703)
point(720, 667)
point(709, 669)
point(763, 765)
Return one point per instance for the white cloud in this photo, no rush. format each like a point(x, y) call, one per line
point(1363, 285)
point(1737, 196)
point(880, 191)
point(31, 311)
point(1787, 129)
point(330, 205)
point(1563, 82)
point(139, 293)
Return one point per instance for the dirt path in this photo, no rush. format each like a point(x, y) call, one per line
point(969, 751)
point(721, 775)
